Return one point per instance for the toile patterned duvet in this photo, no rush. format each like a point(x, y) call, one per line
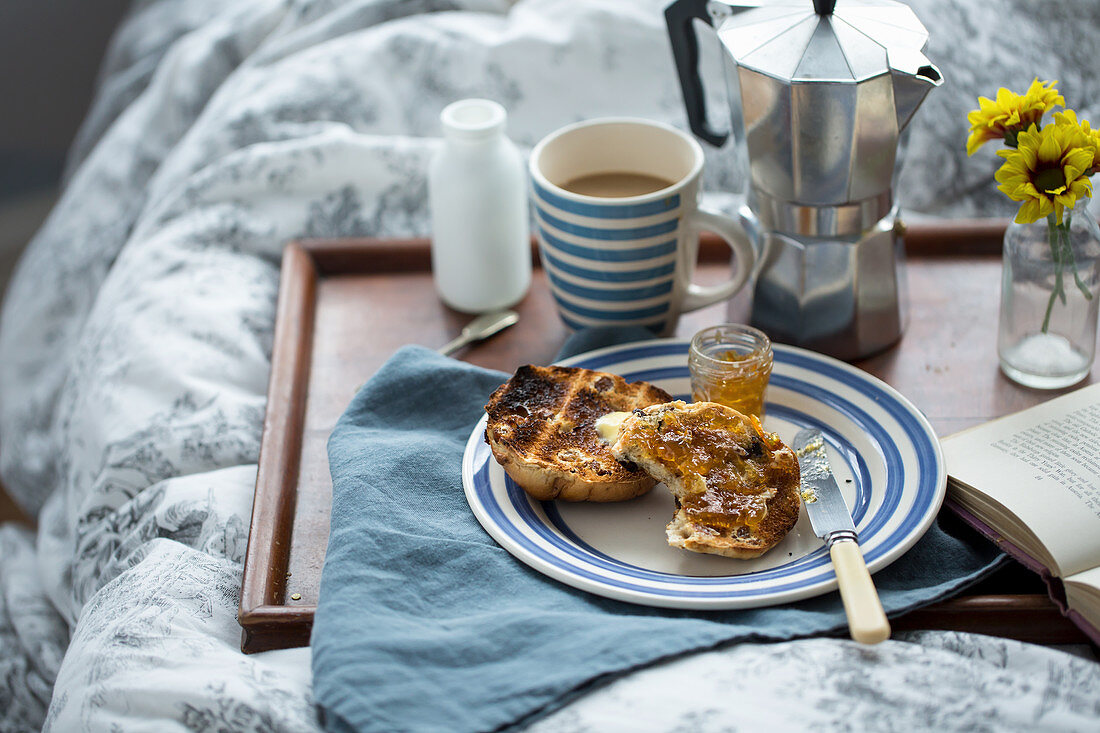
point(136, 334)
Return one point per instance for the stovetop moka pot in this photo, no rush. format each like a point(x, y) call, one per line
point(820, 92)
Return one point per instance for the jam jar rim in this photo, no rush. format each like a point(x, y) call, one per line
point(762, 353)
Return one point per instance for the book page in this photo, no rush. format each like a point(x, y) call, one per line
point(1043, 464)
point(1009, 526)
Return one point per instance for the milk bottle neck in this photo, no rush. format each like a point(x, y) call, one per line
point(473, 122)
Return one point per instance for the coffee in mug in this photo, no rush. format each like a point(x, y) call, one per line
point(616, 184)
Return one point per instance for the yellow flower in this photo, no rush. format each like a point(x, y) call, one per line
point(1048, 171)
point(1010, 114)
point(1069, 117)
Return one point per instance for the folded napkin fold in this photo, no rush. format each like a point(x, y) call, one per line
point(424, 623)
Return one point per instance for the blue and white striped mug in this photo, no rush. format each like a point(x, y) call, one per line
point(615, 260)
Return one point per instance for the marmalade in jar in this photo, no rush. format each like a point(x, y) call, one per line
point(731, 364)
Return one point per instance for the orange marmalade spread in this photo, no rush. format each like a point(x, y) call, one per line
point(722, 458)
point(733, 379)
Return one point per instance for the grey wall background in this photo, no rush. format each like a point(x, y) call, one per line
point(50, 52)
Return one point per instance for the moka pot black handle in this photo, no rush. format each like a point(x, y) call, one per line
point(685, 50)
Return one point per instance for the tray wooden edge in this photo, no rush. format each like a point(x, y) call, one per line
point(269, 627)
point(265, 621)
point(263, 581)
point(381, 255)
point(1031, 618)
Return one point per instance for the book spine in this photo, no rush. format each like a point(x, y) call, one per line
point(1055, 588)
point(995, 537)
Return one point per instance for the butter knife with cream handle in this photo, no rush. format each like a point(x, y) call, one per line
point(832, 522)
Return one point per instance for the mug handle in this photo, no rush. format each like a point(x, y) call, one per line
point(737, 238)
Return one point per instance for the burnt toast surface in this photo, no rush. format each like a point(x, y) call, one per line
point(541, 427)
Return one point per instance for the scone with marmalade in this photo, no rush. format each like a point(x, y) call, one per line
point(541, 428)
point(736, 486)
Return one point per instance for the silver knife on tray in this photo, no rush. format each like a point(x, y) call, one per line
point(832, 522)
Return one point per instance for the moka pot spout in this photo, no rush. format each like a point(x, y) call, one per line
point(913, 76)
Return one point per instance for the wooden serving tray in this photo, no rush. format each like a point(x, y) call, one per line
point(346, 305)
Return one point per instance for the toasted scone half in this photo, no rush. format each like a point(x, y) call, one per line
point(736, 486)
point(541, 429)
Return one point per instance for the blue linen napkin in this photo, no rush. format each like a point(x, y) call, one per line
point(424, 623)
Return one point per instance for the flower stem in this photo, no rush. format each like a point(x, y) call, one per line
point(1056, 256)
point(1072, 258)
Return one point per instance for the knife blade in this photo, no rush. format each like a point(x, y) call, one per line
point(832, 522)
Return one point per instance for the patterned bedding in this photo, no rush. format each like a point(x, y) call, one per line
point(136, 334)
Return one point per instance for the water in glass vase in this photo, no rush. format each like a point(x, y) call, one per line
point(1045, 361)
point(1050, 290)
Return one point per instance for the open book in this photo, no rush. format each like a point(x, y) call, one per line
point(1031, 482)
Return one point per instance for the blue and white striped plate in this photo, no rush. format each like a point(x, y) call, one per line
point(883, 451)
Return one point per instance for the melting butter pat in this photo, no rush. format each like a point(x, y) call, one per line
point(607, 426)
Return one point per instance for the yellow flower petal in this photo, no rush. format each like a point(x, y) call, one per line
point(1049, 150)
point(1068, 115)
point(1076, 162)
point(1081, 188)
point(976, 140)
point(1029, 212)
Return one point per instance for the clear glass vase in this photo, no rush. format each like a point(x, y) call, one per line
point(1050, 288)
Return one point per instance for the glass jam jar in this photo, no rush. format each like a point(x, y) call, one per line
point(730, 364)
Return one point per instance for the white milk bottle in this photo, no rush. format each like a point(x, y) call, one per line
point(477, 190)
